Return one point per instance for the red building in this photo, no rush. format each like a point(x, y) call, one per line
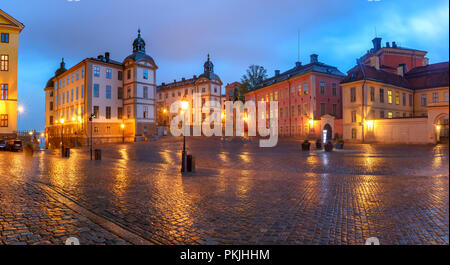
point(305, 95)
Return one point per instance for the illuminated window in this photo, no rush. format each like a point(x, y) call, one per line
point(305, 88)
point(96, 112)
point(353, 114)
point(3, 120)
point(397, 98)
point(4, 62)
point(276, 95)
point(271, 96)
point(390, 114)
point(299, 88)
point(390, 96)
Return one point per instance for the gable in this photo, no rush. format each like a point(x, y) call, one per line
point(7, 20)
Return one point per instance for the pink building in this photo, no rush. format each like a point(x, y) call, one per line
point(307, 96)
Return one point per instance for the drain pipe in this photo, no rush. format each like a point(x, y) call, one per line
point(363, 112)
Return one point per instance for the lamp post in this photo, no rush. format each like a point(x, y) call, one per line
point(90, 119)
point(122, 126)
point(62, 136)
point(184, 107)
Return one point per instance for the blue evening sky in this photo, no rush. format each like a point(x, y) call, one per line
point(237, 33)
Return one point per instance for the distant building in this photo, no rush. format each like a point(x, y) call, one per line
point(394, 82)
point(232, 91)
point(115, 92)
point(305, 95)
point(208, 84)
point(10, 29)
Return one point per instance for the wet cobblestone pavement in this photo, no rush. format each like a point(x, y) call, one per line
point(240, 194)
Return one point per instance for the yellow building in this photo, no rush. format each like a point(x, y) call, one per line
point(10, 29)
point(387, 104)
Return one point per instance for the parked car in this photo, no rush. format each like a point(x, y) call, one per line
point(14, 145)
point(2, 145)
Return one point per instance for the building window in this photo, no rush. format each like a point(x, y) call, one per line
point(95, 129)
point(299, 109)
point(5, 37)
point(51, 120)
point(128, 112)
point(67, 98)
point(63, 98)
point(446, 96)
point(78, 75)
point(82, 73)
point(82, 91)
point(390, 96)
point(146, 92)
point(381, 95)
point(120, 93)
point(96, 90)
point(435, 97)
point(334, 89)
point(276, 95)
point(108, 129)
point(354, 116)
point(63, 82)
point(354, 131)
point(145, 75)
point(397, 98)
point(404, 99)
point(119, 75)
point(322, 88)
point(71, 95)
point(129, 74)
point(96, 112)
point(108, 73)
point(119, 113)
point(390, 114)
point(4, 91)
point(76, 94)
point(381, 113)
point(410, 100)
point(305, 88)
point(3, 120)
point(372, 94)
point(203, 89)
point(96, 71)
point(145, 114)
point(108, 112)
point(51, 105)
point(334, 111)
point(281, 113)
point(108, 92)
point(68, 80)
point(4, 62)
point(129, 92)
point(352, 94)
point(322, 109)
point(423, 100)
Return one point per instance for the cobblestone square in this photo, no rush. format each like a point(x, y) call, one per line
point(240, 194)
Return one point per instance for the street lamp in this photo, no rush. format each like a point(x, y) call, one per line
point(184, 107)
point(62, 136)
point(122, 126)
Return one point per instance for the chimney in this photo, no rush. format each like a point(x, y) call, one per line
point(394, 45)
point(195, 76)
point(298, 64)
point(107, 56)
point(376, 44)
point(183, 79)
point(277, 72)
point(163, 84)
point(375, 62)
point(401, 69)
point(388, 45)
point(314, 58)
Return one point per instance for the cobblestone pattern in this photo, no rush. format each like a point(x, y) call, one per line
point(242, 194)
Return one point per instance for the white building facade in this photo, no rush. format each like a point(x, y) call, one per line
point(120, 95)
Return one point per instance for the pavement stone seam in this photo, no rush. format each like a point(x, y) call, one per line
point(114, 228)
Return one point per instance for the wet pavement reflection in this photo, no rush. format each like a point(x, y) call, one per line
point(240, 194)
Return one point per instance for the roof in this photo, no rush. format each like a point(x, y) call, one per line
point(372, 74)
point(11, 19)
point(136, 56)
point(429, 76)
point(177, 83)
point(316, 67)
point(105, 60)
point(422, 77)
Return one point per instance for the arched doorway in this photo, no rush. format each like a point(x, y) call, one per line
point(442, 128)
point(329, 131)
